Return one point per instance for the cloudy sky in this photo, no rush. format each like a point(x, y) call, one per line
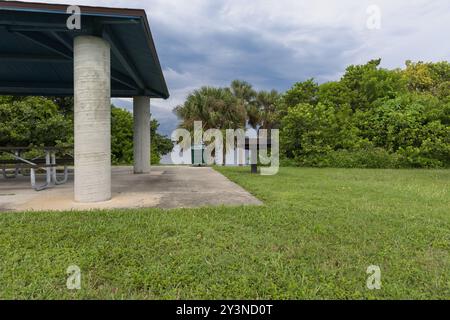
point(275, 43)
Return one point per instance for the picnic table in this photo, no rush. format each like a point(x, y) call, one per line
point(49, 163)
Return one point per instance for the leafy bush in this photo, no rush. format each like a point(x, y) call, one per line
point(122, 139)
point(372, 118)
point(32, 121)
point(39, 121)
point(121, 136)
point(315, 130)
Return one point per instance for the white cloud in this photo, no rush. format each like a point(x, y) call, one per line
point(275, 43)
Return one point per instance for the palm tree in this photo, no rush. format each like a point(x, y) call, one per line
point(246, 95)
point(243, 90)
point(267, 108)
point(260, 106)
point(217, 108)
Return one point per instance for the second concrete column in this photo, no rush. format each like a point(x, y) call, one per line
point(141, 141)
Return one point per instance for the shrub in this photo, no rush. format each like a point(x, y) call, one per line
point(371, 118)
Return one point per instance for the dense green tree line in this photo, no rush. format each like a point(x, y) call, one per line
point(39, 121)
point(371, 117)
point(122, 138)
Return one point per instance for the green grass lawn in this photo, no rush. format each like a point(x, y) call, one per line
point(314, 239)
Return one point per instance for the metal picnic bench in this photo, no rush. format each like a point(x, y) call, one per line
point(49, 163)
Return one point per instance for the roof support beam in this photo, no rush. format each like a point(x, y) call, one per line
point(123, 79)
point(115, 75)
point(46, 42)
point(35, 29)
point(54, 89)
point(152, 92)
point(31, 22)
point(40, 22)
point(121, 55)
point(122, 22)
point(17, 57)
point(65, 56)
point(35, 58)
point(35, 88)
point(63, 39)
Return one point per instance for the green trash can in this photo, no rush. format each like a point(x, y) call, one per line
point(197, 154)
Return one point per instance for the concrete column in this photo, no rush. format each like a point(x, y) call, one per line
point(92, 71)
point(141, 141)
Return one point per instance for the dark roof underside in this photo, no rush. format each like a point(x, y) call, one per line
point(36, 50)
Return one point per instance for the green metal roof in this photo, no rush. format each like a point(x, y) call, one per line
point(36, 50)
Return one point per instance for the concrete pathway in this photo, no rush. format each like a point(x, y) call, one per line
point(166, 187)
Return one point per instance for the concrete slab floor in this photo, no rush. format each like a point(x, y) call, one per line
point(165, 187)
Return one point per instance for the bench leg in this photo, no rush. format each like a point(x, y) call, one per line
point(33, 181)
point(64, 180)
point(17, 170)
point(54, 173)
point(48, 171)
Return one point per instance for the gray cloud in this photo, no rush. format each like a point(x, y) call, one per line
point(273, 44)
